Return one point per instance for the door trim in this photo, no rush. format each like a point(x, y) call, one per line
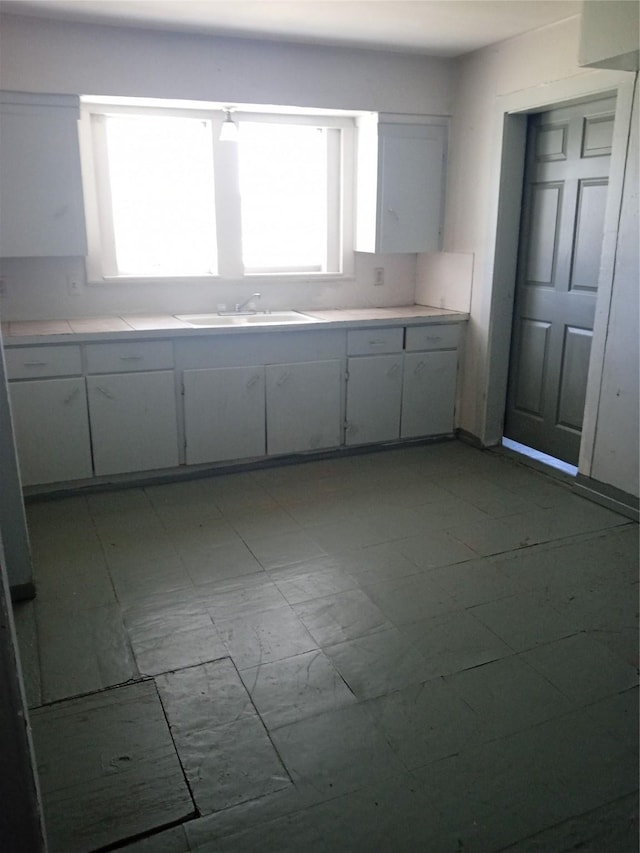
point(510, 123)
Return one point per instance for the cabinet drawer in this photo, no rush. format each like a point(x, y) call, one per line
point(442, 336)
point(374, 341)
point(128, 357)
point(31, 362)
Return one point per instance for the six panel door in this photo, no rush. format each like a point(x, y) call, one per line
point(565, 192)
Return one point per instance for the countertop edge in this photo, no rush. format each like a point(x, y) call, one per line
point(11, 339)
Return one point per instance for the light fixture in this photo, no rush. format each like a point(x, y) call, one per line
point(229, 129)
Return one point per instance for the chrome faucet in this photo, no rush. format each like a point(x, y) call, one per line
point(241, 305)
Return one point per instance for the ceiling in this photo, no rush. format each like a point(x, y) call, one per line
point(437, 27)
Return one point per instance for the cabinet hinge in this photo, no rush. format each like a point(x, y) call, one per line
point(182, 389)
point(346, 376)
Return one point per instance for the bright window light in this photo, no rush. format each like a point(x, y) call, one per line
point(162, 195)
point(166, 198)
point(283, 192)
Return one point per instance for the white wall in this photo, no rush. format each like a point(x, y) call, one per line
point(609, 34)
point(615, 455)
point(36, 289)
point(532, 71)
point(45, 56)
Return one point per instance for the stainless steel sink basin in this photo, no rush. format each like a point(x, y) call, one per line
point(274, 318)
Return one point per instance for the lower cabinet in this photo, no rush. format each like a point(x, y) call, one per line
point(429, 393)
point(303, 404)
point(112, 408)
point(51, 428)
point(407, 393)
point(374, 392)
point(224, 413)
point(133, 421)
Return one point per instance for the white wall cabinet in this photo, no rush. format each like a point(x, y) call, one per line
point(51, 429)
point(41, 202)
point(133, 421)
point(303, 404)
point(224, 413)
point(400, 186)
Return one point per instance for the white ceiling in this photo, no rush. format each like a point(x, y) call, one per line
point(436, 27)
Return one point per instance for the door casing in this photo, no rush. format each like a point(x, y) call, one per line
point(510, 122)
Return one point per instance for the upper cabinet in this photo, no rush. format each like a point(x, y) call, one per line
point(400, 185)
point(41, 205)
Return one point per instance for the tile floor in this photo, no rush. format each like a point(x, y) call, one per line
point(424, 649)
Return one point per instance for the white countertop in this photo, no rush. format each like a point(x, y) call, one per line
point(86, 329)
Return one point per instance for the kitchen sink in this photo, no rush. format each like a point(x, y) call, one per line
point(272, 318)
point(279, 317)
point(207, 320)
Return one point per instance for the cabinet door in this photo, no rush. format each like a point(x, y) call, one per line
point(51, 429)
point(411, 187)
point(374, 391)
point(133, 421)
point(41, 205)
point(224, 415)
point(429, 393)
point(303, 406)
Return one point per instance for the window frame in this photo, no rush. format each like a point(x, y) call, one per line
point(101, 261)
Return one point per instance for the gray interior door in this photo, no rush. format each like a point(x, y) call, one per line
point(565, 191)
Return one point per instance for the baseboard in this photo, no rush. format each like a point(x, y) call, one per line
point(469, 438)
point(138, 479)
point(607, 496)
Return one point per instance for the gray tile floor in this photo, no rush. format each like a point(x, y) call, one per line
point(425, 649)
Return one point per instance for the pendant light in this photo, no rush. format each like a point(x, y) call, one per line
point(229, 129)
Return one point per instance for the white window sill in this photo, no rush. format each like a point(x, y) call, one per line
point(263, 278)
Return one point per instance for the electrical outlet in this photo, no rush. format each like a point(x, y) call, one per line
point(74, 285)
point(378, 276)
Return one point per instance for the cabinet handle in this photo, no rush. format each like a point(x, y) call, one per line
point(130, 358)
point(283, 378)
point(72, 396)
point(420, 366)
point(251, 382)
point(393, 369)
point(35, 363)
point(104, 392)
point(376, 342)
point(434, 338)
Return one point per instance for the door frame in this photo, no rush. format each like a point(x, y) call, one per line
point(510, 125)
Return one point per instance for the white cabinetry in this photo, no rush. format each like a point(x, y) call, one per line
point(224, 414)
point(430, 372)
point(400, 185)
point(41, 204)
point(133, 414)
point(112, 408)
point(50, 418)
point(401, 394)
point(303, 406)
point(374, 385)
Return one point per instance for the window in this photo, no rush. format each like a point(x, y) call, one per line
point(166, 198)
